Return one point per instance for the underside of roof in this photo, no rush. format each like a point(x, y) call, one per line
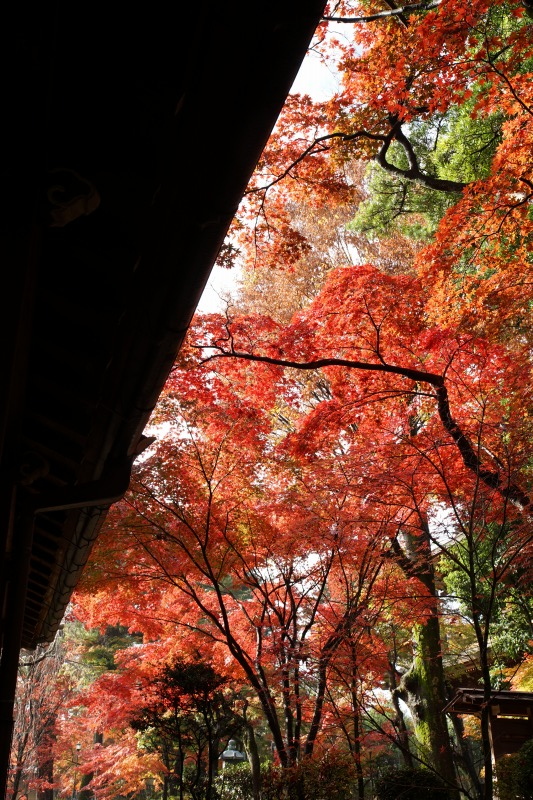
point(132, 132)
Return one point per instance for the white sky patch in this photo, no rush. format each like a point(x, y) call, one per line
point(318, 80)
point(315, 78)
point(222, 283)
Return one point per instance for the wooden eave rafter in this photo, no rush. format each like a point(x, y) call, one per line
point(130, 135)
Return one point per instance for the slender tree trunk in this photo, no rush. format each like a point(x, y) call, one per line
point(487, 755)
point(46, 767)
point(357, 752)
point(402, 734)
point(181, 757)
point(87, 794)
point(15, 786)
point(485, 726)
point(356, 726)
point(254, 761)
point(482, 608)
point(213, 749)
point(466, 756)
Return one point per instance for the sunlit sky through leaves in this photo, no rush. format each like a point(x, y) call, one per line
point(317, 80)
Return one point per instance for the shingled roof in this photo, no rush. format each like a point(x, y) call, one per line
point(131, 135)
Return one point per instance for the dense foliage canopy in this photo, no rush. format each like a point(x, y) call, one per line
point(332, 530)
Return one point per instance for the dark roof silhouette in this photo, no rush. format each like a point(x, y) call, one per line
point(130, 133)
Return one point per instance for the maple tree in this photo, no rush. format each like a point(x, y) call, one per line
point(358, 326)
point(343, 479)
point(439, 98)
point(185, 722)
point(247, 577)
point(43, 688)
point(286, 609)
point(421, 63)
point(209, 531)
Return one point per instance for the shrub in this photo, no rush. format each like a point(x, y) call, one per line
point(330, 777)
point(514, 774)
point(411, 784)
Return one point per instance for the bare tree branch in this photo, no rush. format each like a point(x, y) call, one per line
point(414, 173)
point(399, 11)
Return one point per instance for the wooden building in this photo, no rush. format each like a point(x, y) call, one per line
point(510, 720)
point(130, 133)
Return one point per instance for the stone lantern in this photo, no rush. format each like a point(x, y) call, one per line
point(232, 755)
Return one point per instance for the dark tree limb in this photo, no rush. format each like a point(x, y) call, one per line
point(414, 173)
point(395, 11)
point(469, 455)
point(322, 144)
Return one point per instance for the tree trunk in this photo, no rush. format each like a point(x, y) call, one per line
point(423, 686)
point(466, 757)
point(425, 695)
point(402, 734)
point(17, 778)
point(254, 761)
point(356, 724)
point(485, 721)
point(357, 751)
point(87, 794)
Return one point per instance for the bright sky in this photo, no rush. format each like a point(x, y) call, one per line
point(315, 79)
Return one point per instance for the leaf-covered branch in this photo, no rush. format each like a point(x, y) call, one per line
point(467, 451)
point(322, 144)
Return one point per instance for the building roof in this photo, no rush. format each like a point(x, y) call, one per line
point(505, 702)
point(131, 135)
point(510, 716)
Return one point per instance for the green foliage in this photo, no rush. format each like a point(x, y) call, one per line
point(330, 777)
point(100, 648)
point(184, 724)
point(457, 147)
point(411, 784)
point(515, 774)
point(190, 708)
point(94, 650)
point(396, 204)
point(234, 783)
point(195, 679)
point(504, 604)
point(464, 151)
